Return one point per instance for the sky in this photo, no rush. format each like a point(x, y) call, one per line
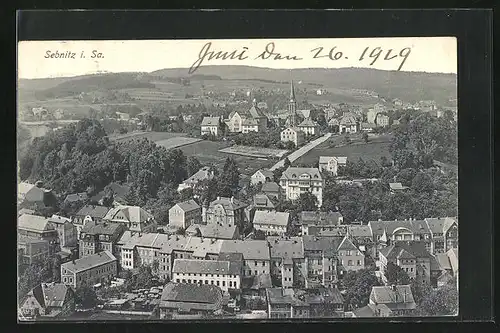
point(42, 59)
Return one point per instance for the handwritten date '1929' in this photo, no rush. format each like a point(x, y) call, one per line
point(375, 54)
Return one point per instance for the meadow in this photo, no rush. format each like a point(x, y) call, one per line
point(376, 147)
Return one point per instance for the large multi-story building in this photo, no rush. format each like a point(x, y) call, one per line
point(309, 127)
point(88, 213)
point(296, 181)
point(226, 211)
point(221, 273)
point(256, 257)
point(211, 126)
point(287, 261)
point(38, 227)
point(65, 230)
point(321, 260)
point(271, 222)
point(314, 222)
point(293, 134)
point(136, 219)
point(183, 214)
point(97, 268)
point(32, 250)
point(96, 237)
point(444, 233)
point(252, 121)
point(411, 256)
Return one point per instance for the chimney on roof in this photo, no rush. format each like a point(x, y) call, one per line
point(232, 199)
point(393, 287)
point(73, 261)
point(218, 198)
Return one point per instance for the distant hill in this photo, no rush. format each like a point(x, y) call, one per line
point(408, 86)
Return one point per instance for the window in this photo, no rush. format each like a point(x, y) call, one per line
point(255, 262)
point(178, 280)
point(218, 283)
point(349, 263)
point(223, 283)
point(359, 262)
point(263, 264)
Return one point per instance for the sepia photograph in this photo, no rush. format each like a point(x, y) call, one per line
point(237, 179)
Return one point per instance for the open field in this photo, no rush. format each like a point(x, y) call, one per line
point(176, 142)
point(208, 152)
point(257, 152)
point(377, 147)
point(153, 136)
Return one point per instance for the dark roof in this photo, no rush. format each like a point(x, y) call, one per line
point(405, 250)
point(320, 218)
point(261, 200)
point(286, 248)
point(271, 218)
point(93, 211)
point(326, 244)
point(88, 262)
point(101, 228)
point(359, 231)
point(251, 249)
point(210, 121)
point(76, 197)
point(50, 294)
point(188, 205)
point(34, 223)
point(191, 296)
point(295, 173)
point(399, 298)
point(371, 309)
point(255, 112)
point(198, 266)
point(270, 187)
point(229, 203)
point(119, 192)
point(415, 226)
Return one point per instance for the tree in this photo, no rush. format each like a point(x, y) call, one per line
point(307, 202)
point(420, 290)
point(358, 286)
point(346, 140)
point(440, 302)
point(423, 183)
point(193, 165)
point(286, 163)
point(86, 297)
point(258, 234)
point(365, 137)
point(396, 275)
point(229, 178)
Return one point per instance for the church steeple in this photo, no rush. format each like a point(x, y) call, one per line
point(292, 104)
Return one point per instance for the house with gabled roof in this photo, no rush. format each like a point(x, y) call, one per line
point(183, 214)
point(293, 134)
point(47, 300)
point(271, 189)
point(287, 260)
point(135, 218)
point(399, 299)
point(262, 176)
point(211, 126)
point(271, 222)
point(411, 256)
point(295, 181)
point(193, 299)
point(205, 173)
point(229, 211)
point(86, 214)
point(348, 124)
point(332, 163)
point(313, 222)
point(309, 127)
point(37, 227)
point(95, 237)
point(350, 256)
point(254, 120)
point(444, 233)
point(224, 274)
point(90, 270)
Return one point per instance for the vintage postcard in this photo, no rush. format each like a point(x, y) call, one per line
point(237, 179)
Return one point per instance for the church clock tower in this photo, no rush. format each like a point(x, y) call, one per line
point(292, 106)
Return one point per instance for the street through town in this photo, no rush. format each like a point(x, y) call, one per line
point(302, 151)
